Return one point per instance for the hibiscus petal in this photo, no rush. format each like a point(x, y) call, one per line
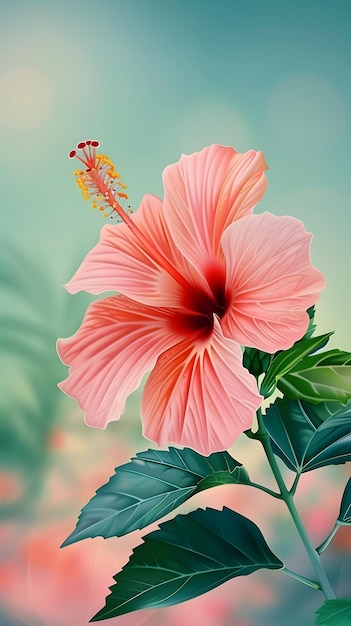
point(271, 281)
point(119, 262)
point(118, 341)
point(199, 395)
point(208, 190)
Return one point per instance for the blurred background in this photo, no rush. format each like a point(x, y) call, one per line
point(152, 79)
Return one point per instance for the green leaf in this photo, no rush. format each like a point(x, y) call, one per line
point(319, 378)
point(150, 486)
point(334, 613)
point(307, 436)
point(256, 361)
point(187, 557)
point(311, 327)
point(344, 518)
point(288, 359)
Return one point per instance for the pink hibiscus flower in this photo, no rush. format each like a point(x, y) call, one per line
point(197, 275)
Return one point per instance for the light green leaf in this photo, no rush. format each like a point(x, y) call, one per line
point(187, 557)
point(319, 378)
point(150, 486)
point(288, 359)
point(334, 613)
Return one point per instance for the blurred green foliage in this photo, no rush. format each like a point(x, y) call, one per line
point(33, 311)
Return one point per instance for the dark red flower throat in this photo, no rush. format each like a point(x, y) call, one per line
point(202, 305)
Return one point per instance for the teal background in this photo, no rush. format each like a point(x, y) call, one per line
point(150, 79)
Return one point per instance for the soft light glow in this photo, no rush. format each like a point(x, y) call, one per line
point(26, 98)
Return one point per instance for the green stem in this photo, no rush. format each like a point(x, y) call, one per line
point(294, 485)
point(302, 579)
point(270, 492)
point(327, 541)
point(263, 436)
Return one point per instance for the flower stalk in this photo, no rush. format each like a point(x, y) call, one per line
point(287, 496)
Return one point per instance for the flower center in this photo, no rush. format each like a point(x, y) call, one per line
point(201, 305)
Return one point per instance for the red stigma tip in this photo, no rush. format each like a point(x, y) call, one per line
point(95, 144)
point(81, 145)
point(72, 154)
point(88, 142)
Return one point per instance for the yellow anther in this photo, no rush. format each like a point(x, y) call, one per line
point(113, 174)
point(98, 181)
point(103, 158)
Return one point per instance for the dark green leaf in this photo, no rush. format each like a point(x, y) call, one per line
point(256, 361)
point(334, 613)
point(150, 486)
point(286, 360)
point(320, 378)
point(307, 436)
point(344, 518)
point(311, 327)
point(187, 557)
